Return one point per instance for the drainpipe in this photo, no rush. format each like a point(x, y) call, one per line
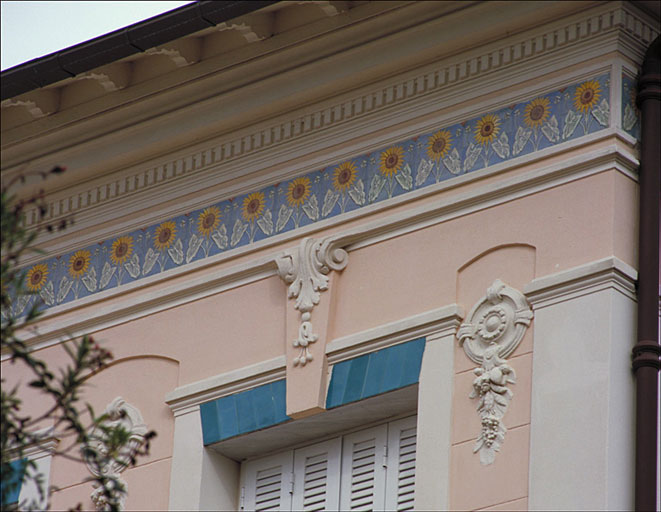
point(646, 352)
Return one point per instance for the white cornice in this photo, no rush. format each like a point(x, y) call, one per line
point(44, 444)
point(410, 95)
point(592, 277)
point(443, 320)
point(569, 284)
point(439, 322)
point(217, 278)
point(235, 381)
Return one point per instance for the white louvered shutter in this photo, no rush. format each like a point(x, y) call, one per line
point(317, 476)
point(267, 483)
point(400, 483)
point(363, 479)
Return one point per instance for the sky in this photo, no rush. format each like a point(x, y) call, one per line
point(36, 28)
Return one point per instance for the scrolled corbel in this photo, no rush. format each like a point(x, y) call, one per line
point(492, 331)
point(306, 270)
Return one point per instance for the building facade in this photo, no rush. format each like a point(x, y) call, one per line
point(348, 255)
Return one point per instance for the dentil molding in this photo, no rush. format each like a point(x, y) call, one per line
point(306, 270)
point(446, 79)
point(491, 332)
point(118, 413)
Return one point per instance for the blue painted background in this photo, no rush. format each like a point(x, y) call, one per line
point(319, 195)
point(243, 412)
point(375, 373)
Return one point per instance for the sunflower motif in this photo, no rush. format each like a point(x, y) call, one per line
point(487, 128)
point(253, 206)
point(79, 263)
point(165, 235)
point(208, 220)
point(36, 277)
point(536, 112)
point(391, 161)
point(439, 144)
point(121, 250)
point(586, 96)
point(344, 176)
point(298, 191)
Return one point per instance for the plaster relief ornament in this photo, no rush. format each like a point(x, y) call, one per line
point(306, 270)
point(121, 413)
point(493, 330)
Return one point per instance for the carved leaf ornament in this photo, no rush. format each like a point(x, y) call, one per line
point(306, 270)
point(492, 331)
point(118, 412)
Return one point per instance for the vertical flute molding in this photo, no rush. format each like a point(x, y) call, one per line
point(492, 331)
point(118, 412)
point(305, 269)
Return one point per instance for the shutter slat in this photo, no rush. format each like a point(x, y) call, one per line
point(363, 480)
point(266, 482)
point(316, 476)
point(402, 441)
point(366, 484)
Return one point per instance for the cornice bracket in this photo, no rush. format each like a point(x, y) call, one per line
point(305, 269)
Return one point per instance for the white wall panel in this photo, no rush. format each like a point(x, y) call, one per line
point(582, 431)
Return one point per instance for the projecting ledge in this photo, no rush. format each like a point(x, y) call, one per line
point(339, 419)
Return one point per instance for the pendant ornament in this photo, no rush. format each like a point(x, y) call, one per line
point(492, 331)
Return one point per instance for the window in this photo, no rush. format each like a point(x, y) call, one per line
point(372, 469)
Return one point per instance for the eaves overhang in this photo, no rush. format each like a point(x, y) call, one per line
point(122, 43)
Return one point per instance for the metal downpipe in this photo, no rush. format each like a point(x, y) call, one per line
point(646, 351)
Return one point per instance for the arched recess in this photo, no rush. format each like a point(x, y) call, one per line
point(514, 264)
point(143, 382)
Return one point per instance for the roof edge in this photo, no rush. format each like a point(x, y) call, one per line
point(121, 43)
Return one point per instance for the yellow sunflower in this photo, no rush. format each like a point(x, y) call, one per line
point(439, 144)
point(121, 250)
point(536, 112)
point(36, 277)
point(487, 128)
point(586, 96)
point(391, 161)
point(253, 206)
point(165, 235)
point(298, 191)
point(78, 263)
point(344, 176)
point(208, 220)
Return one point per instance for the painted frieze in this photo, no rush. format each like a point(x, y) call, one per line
point(397, 169)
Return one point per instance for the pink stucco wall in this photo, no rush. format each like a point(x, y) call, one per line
point(451, 262)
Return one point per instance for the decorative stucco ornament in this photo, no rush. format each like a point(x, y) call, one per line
point(493, 330)
point(121, 413)
point(306, 270)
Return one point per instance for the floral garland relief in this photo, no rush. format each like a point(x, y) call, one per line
point(118, 413)
point(493, 330)
point(367, 179)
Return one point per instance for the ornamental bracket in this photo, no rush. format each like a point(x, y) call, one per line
point(492, 331)
point(306, 270)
